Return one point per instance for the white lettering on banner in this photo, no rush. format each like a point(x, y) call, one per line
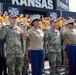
point(31, 3)
point(15, 1)
point(63, 6)
point(22, 2)
point(38, 3)
point(48, 4)
point(44, 4)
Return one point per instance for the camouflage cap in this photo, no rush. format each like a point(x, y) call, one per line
point(12, 15)
point(54, 20)
point(20, 23)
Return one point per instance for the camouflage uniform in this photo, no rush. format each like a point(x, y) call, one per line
point(65, 61)
point(54, 50)
point(26, 61)
point(14, 44)
point(65, 58)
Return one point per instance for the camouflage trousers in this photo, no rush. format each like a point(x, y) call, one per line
point(14, 64)
point(65, 60)
point(54, 62)
point(26, 64)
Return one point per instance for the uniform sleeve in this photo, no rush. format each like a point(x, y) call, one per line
point(28, 33)
point(27, 43)
point(64, 34)
point(21, 38)
point(46, 35)
point(3, 32)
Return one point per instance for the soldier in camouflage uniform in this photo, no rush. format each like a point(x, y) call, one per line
point(14, 46)
point(26, 62)
point(52, 36)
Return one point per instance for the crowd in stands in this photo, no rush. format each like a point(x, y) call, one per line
point(44, 21)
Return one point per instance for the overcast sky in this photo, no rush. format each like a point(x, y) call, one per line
point(72, 5)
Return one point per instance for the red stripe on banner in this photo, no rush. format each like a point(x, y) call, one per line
point(68, 54)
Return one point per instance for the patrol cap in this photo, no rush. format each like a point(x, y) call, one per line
point(35, 18)
point(20, 23)
point(70, 21)
point(12, 15)
point(54, 20)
